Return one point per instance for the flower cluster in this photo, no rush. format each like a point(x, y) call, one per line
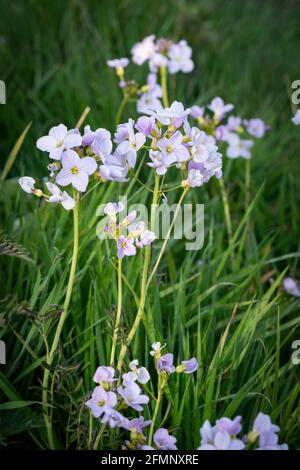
point(75, 158)
point(176, 57)
point(128, 234)
point(171, 142)
point(236, 132)
point(112, 400)
point(223, 435)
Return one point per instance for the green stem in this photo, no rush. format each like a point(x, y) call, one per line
point(119, 312)
point(144, 280)
point(164, 85)
point(159, 397)
point(247, 183)
point(121, 109)
point(99, 435)
point(226, 209)
point(47, 417)
point(167, 238)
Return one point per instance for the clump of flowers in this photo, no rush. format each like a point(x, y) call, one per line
point(171, 142)
point(224, 435)
point(176, 57)
point(120, 402)
point(234, 131)
point(75, 158)
point(128, 235)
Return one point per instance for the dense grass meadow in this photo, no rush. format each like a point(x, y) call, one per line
point(223, 304)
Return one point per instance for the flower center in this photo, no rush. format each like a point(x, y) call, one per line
point(169, 149)
point(101, 403)
point(74, 170)
point(59, 143)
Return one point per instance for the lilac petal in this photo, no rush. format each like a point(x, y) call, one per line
point(80, 181)
point(63, 178)
point(72, 140)
point(88, 164)
point(70, 159)
point(68, 202)
point(46, 144)
point(222, 440)
point(139, 140)
point(58, 132)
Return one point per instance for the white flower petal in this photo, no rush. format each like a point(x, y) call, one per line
point(64, 177)
point(88, 164)
point(46, 143)
point(58, 132)
point(80, 181)
point(70, 159)
point(72, 140)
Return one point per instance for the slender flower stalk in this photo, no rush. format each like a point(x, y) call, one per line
point(226, 213)
point(121, 109)
point(140, 311)
point(167, 238)
point(247, 183)
point(145, 279)
point(164, 86)
point(157, 405)
point(119, 312)
point(51, 354)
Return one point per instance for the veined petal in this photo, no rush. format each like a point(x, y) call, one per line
point(58, 132)
point(72, 140)
point(88, 164)
point(46, 143)
point(63, 178)
point(70, 159)
point(80, 181)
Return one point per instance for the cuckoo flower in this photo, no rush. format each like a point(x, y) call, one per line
point(163, 440)
point(190, 366)
point(212, 438)
point(132, 396)
point(27, 184)
point(58, 140)
point(59, 196)
point(136, 424)
point(118, 63)
point(291, 286)
point(75, 170)
point(180, 58)
point(144, 50)
point(255, 127)
point(165, 363)
point(131, 144)
point(219, 108)
point(239, 148)
point(101, 402)
point(104, 375)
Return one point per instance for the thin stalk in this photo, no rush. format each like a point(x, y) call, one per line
point(159, 397)
point(99, 435)
point(247, 183)
point(226, 208)
point(167, 238)
point(47, 418)
point(121, 109)
point(145, 279)
point(143, 282)
point(119, 312)
point(164, 85)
